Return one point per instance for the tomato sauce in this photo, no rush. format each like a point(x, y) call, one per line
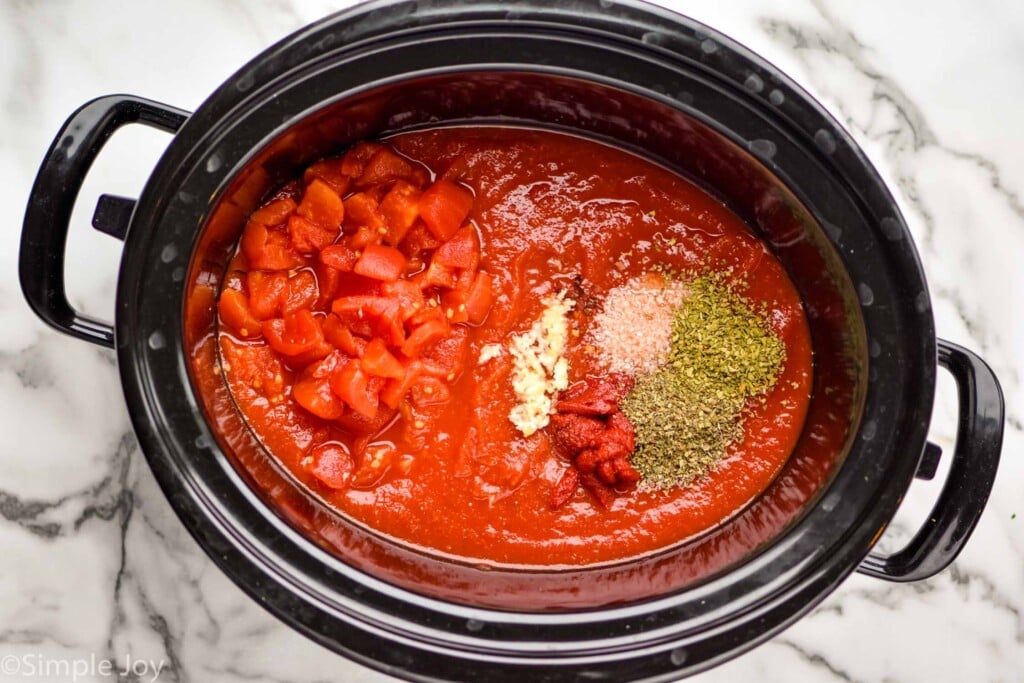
point(444, 469)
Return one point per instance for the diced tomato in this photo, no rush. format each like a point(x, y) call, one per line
point(268, 249)
point(438, 275)
point(328, 280)
point(301, 292)
point(294, 334)
point(377, 360)
point(266, 292)
point(233, 309)
point(351, 383)
point(307, 237)
point(424, 314)
point(461, 251)
point(377, 460)
point(362, 210)
point(447, 357)
point(361, 305)
point(479, 299)
point(339, 256)
point(360, 425)
point(409, 297)
point(469, 305)
point(396, 389)
point(383, 312)
point(423, 336)
point(380, 263)
point(321, 205)
point(332, 464)
point(354, 161)
point(383, 167)
point(400, 209)
point(444, 206)
point(315, 395)
point(329, 171)
point(418, 241)
point(274, 213)
point(337, 333)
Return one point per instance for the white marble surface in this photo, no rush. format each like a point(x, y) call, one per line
point(95, 565)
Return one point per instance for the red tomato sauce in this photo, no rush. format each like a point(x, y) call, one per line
point(435, 462)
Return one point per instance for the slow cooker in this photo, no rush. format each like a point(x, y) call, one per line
point(644, 79)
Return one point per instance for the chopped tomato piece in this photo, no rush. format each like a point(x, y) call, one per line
point(337, 333)
point(301, 292)
point(274, 213)
point(332, 464)
point(294, 334)
point(328, 280)
point(377, 360)
point(419, 240)
point(361, 305)
point(426, 313)
point(396, 389)
point(423, 336)
point(339, 256)
point(307, 237)
point(351, 383)
point(380, 263)
point(329, 171)
point(447, 357)
point(365, 236)
point(233, 309)
point(266, 292)
point(362, 210)
point(461, 251)
point(354, 161)
point(321, 206)
point(438, 275)
point(444, 206)
point(377, 460)
point(409, 297)
point(315, 395)
point(400, 209)
point(479, 299)
point(360, 425)
point(383, 167)
point(268, 249)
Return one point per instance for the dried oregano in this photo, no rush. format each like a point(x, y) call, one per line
point(688, 411)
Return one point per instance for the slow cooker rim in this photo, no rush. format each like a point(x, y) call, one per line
point(124, 334)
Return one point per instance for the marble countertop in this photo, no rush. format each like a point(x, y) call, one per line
point(96, 567)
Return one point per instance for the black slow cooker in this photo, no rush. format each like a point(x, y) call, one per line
point(640, 77)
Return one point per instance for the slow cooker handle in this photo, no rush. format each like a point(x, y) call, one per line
point(48, 215)
point(971, 474)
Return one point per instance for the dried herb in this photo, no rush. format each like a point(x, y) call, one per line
point(688, 411)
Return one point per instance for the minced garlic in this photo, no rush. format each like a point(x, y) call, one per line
point(488, 353)
point(539, 371)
